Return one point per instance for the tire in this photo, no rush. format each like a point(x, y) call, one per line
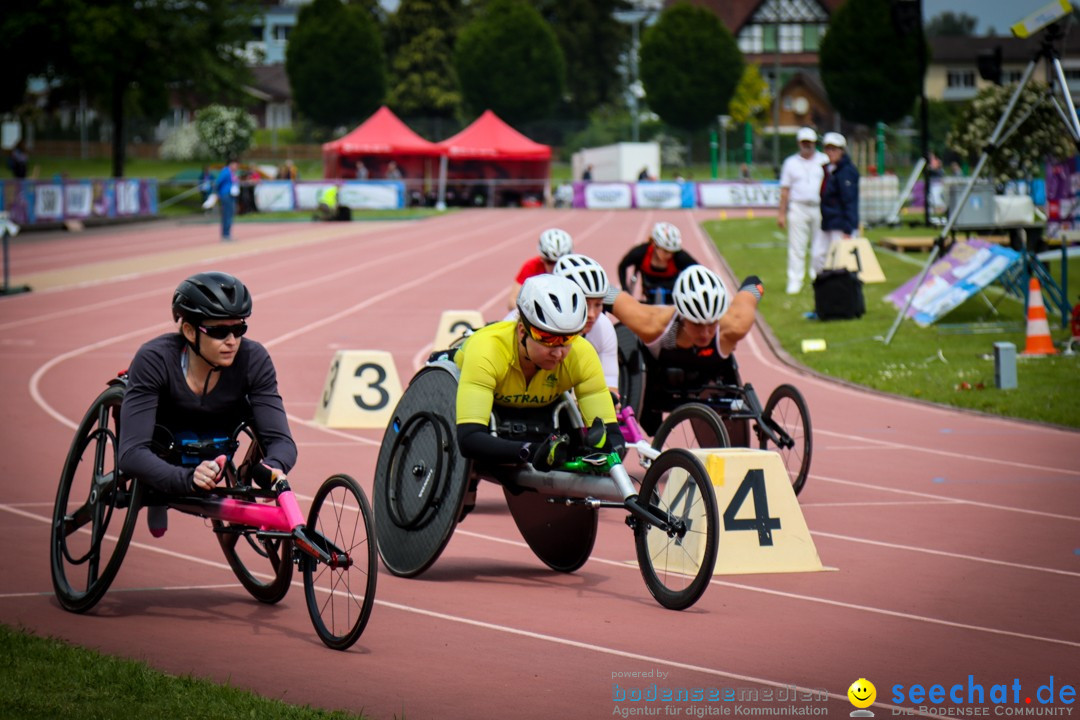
point(339, 599)
point(787, 413)
point(677, 568)
point(692, 426)
point(249, 556)
point(631, 368)
point(93, 498)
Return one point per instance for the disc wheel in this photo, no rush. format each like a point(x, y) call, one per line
point(95, 510)
point(340, 594)
point(693, 426)
point(264, 566)
point(787, 414)
point(677, 564)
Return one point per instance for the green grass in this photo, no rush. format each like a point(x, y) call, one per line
point(929, 363)
point(45, 678)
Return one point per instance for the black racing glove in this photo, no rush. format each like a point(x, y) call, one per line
point(752, 284)
point(608, 438)
point(552, 451)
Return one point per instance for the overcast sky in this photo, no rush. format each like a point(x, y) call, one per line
point(998, 14)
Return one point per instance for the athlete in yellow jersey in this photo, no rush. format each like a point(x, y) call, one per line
point(522, 368)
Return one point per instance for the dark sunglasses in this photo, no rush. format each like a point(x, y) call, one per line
point(549, 339)
point(220, 332)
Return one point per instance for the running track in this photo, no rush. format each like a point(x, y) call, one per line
point(955, 537)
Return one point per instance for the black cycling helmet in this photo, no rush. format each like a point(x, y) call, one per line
point(211, 295)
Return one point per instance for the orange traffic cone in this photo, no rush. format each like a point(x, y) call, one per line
point(1038, 329)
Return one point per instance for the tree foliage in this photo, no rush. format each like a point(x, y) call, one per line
point(592, 41)
point(129, 57)
point(949, 24)
point(509, 60)
point(225, 131)
point(422, 79)
point(690, 66)
point(335, 63)
point(869, 69)
point(752, 98)
point(1025, 151)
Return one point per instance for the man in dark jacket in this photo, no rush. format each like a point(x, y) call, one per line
point(839, 194)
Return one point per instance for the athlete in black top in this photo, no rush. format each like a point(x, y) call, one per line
point(204, 380)
point(658, 262)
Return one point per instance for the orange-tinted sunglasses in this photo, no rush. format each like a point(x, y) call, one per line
point(549, 339)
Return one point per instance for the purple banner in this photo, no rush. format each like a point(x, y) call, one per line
point(968, 268)
point(30, 202)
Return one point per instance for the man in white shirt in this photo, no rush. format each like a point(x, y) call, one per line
point(800, 208)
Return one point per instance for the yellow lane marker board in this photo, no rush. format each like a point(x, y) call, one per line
point(361, 391)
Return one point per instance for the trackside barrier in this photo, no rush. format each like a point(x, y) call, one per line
point(856, 255)
point(762, 527)
point(453, 324)
point(361, 391)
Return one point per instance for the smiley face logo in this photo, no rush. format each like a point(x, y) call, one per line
point(862, 693)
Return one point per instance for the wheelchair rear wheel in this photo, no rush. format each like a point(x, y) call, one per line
point(93, 498)
point(787, 414)
point(340, 596)
point(631, 368)
point(692, 426)
point(250, 556)
point(677, 566)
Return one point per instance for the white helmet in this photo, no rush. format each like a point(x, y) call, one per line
point(667, 237)
point(552, 304)
point(586, 272)
point(554, 243)
point(699, 295)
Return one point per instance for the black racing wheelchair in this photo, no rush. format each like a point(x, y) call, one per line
point(257, 521)
point(424, 487)
point(714, 413)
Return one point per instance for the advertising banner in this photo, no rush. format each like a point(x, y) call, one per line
point(603, 196)
point(968, 268)
point(667, 195)
point(307, 194)
point(738, 194)
point(274, 196)
point(372, 195)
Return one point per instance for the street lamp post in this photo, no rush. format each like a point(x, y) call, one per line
point(724, 121)
point(640, 12)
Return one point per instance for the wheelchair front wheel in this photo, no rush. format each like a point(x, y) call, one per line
point(677, 565)
point(787, 414)
point(93, 497)
point(340, 596)
point(692, 426)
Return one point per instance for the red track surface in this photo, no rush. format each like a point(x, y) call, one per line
point(956, 537)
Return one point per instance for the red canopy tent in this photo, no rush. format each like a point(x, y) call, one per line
point(493, 160)
point(381, 138)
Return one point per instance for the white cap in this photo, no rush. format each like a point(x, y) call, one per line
point(834, 139)
point(806, 134)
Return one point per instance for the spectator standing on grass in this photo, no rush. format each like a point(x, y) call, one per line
point(800, 208)
point(206, 183)
point(839, 197)
point(19, 160)
point(227, 188)
point(587, 175)
point(393, 172)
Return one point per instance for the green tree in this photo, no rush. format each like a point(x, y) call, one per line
point(29, 36)
point(870, 70)
point(225, 131)
point(752, 98)
point(949, 24)
point(592, 41)
point(422, 79)
point(509, 60)
point(335, 63)
point(129, 57)
point(690, 66)
point(1025, 151)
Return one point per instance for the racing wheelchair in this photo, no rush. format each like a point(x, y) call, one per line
point(698, 410)
point(258, 524)
point(424, 487)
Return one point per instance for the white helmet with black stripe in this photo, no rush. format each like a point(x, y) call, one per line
point(700, 295)
point(667, 236)
point(553, 304)
point(589, 275)
point(554, 243)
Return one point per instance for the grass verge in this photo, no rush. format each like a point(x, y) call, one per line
point(45, 678)
point(950, 362)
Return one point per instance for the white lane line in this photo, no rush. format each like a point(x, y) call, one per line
point(959, 501)
point(942, 553)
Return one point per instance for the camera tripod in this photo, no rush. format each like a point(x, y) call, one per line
point(1048, 52)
